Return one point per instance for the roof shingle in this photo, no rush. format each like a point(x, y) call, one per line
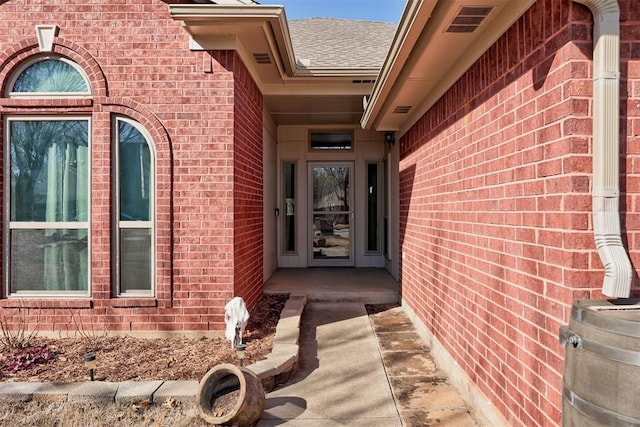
point(340, 43)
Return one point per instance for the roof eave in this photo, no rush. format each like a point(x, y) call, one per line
point(414, 18)
point(419, 30)
point(271, 18)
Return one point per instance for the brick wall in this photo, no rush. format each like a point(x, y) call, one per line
point(139, 65)
point(496, 227)
point(247, 186)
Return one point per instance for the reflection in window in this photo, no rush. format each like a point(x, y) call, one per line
point(49, 205)
point(290, 207)
point(331, 140)
point(372, 207)
point(50, 76)
point(134, 186)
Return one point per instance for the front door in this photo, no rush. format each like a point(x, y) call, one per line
point(331, 209)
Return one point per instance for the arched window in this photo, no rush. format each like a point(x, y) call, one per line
point(134, 161)
point(49, 76)
point(47, 178)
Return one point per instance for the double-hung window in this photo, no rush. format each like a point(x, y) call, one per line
point(134, 196)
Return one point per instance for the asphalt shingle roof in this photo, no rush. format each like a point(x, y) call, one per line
point(340, 43)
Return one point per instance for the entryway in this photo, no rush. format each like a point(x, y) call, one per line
point(331, 201)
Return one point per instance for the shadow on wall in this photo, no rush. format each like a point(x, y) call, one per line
point(494, 72)
point(407, 179)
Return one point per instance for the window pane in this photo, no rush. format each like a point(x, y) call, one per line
point(331, 188)
point(49, 170)
point(331, 140)
point(372, 207)
point(49, 260)
point(331, 236)
point(51, 76)
point(135, 261)
point(289, 214)
point(134, 218)
point(135, 174)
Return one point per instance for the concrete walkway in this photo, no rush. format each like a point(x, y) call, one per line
point(340, 378)
point(349, 369)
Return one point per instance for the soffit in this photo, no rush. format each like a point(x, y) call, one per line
point(426, 58)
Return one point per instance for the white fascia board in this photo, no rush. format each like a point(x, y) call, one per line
point(207, 12)
point(271, 17)
point(415, 21)
point(414, 18)
point(368, 73)
point(512, 12)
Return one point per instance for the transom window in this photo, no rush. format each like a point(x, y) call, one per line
point(327, 140)
point(49, 76)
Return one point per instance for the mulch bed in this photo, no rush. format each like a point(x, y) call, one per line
point(124, 358)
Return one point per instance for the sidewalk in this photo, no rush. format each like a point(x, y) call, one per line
point(340, 378)
point(361, 370)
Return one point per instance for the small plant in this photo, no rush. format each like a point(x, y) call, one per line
point(19, 337)
point(91, 336)
point(29, 358)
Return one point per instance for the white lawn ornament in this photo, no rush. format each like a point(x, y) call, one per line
point(236, 317)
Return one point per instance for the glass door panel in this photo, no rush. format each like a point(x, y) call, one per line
point(331, 214)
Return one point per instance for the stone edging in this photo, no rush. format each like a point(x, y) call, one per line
point(275, 369)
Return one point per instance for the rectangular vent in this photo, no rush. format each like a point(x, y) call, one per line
point(362, 81)
point(475, 11)
point(262, 58)
point(402, 109)
point(468, 19)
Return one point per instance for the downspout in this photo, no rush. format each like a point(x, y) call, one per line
point(606, 147)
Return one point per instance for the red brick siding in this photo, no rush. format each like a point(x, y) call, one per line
point(139, 64)
point(247, 186)
point(496, 228)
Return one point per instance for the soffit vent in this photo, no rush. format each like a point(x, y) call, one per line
point(402, 109)
point(362, 81)
point(262, 58)
point(468, 19)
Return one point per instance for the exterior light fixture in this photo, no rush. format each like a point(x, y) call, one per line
point(389, 138)
point(90, 363)
point(240, 348)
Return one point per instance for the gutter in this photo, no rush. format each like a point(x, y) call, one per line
point(606, 147)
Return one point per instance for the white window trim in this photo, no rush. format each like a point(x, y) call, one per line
point(21, 225)
point(46, 95)
point(151, 224)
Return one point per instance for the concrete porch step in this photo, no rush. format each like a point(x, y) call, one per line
point(361, 285)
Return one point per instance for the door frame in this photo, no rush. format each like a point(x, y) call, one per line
point(311, 261)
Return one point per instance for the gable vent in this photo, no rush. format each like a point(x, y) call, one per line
point(402, 109)
point(468, 19)
point(262, 58)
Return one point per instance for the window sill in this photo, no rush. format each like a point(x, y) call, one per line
point(45, 303)
point(125, 302)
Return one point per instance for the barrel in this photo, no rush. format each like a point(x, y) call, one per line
point(601, 376)
point(230, 395)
